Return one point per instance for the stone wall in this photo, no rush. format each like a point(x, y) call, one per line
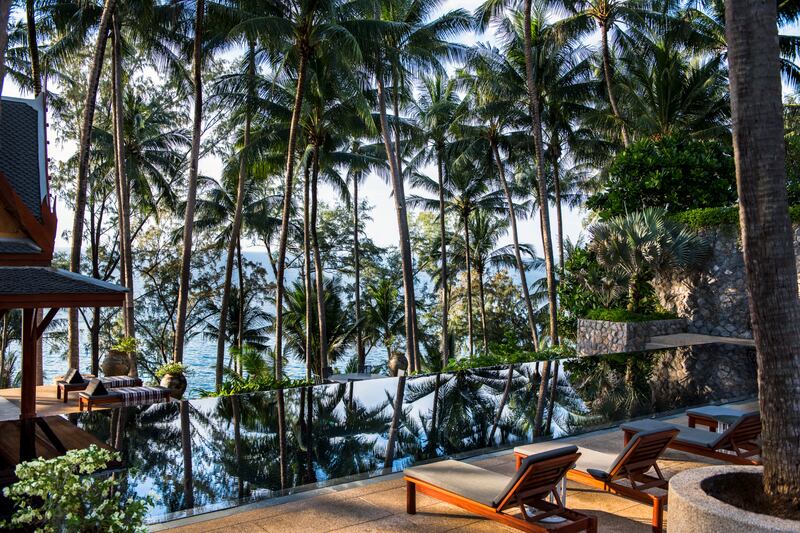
point(714, 300)
point(601, 337)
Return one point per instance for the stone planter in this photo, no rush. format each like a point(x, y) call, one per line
point(176, 383)
point(597, 337)
point(116, 363)
point(692, 510)
point(397, 362)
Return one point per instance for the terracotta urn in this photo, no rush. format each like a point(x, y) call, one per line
point(176, 383)
point(397, 362)
point(115, 363)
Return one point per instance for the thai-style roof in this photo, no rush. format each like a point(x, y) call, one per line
point(32, 287)
point(27, 219)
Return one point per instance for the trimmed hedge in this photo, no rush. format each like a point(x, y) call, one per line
point(623, 315)
point(711, 217)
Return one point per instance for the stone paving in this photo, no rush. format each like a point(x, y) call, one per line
point(379, 504)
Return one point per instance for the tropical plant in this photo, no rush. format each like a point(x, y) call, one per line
point(645, 244)
point(69, 493)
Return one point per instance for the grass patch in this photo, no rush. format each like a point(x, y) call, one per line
point(623, 315)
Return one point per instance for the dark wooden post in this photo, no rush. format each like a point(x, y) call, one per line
point(28, 403)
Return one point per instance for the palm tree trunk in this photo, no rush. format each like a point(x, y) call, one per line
point(191, 192)
point(186, 447)
point(397, 411)
point(241, 306)
point(282, 438)
point(559, 219)
point(534, 103)
point(33, 47)
point(503, 401)
point(398, 189)
point(287, 207)
point(357, 267)
point(767, 238)
point(236, 226)
point(468, 263)
point(307, 270)
point(81, 182)
point(445, 345)
point(512, 217)
point(5, 12)
point(612, 100)
point(482, 301)
point(319, 273)
point(237, 443)
point(553, 397)
point(123, 188)
point(435, 412)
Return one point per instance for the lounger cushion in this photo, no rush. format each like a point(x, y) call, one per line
point(716, 411)
point(687, 435)
point(470, 481)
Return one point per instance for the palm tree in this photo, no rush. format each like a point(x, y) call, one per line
point(383, 315)
point(494, 85)
point(643, 244)
point(81, 179)
point(435, 111)
point(5, 12)
point(191, 189)
point(767, 238)
point(311, 23)
point(464, 194)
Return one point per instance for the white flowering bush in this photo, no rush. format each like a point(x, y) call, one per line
point(62, 495)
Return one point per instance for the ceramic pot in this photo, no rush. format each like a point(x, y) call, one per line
point(115, 363)
point(397, 362)
point(176, 383)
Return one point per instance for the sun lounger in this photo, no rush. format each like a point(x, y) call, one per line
point(626, 474)
point(713, 416)
point(737, 445)
point(63, 388)
point(98, 395)
point(490, 494)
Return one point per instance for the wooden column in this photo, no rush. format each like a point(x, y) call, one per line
point(28, 394)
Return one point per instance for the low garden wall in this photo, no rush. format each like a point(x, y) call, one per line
point(601, 336)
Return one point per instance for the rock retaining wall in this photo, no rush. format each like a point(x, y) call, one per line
point(714, 300)
point(602, 337)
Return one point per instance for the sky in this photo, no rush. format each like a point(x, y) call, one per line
point(382, 229)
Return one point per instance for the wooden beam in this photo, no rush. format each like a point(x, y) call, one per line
point(45, 321)
point(28, 392)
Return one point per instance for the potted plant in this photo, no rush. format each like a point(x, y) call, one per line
point(173, 377)
point(117, 361)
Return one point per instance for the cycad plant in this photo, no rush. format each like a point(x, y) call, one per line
point(644, 244)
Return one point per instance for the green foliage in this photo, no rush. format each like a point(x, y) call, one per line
point(172, 368)
point(623, 315)
point(674, 172)
point(792, 138)
point(642, 245)
point(713, 217)
point(708, 217)
point(260, 384)
point(65, 494)
point(125, 345)
point(503, 355)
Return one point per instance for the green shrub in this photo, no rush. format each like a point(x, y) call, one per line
point(172, 368)
point(674, 172)
point(262, 384)
point(501, 358)
point(65, 494)
point(623, 315)
point(713, 217)
point(125, 345)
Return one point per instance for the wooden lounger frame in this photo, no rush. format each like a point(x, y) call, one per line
point(633, 467)
point(740, 442)
point(72, 387)
point(539, 482)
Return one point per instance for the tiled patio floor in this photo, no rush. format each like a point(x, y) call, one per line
point(379, 505)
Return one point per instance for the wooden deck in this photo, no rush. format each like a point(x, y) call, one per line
point(46, 403)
